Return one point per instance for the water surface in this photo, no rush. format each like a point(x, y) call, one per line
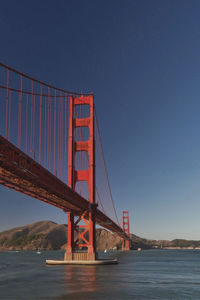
point(150, 274)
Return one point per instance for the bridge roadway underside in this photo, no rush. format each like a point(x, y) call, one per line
point(20, 172)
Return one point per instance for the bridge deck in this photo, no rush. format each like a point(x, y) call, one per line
point(20, 172)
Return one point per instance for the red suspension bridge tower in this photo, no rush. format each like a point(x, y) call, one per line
point(86, 235)
point(126, 229)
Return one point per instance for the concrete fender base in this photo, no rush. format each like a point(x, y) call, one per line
point(82, 262)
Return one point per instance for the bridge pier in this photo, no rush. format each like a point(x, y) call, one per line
point(85, 237)
point(125, 245)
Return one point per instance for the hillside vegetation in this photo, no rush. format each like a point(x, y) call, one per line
point(51, 236)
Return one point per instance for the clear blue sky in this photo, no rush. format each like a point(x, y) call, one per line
point(142, 61)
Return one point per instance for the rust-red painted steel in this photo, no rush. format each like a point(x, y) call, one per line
point(126, 229)
point(88, 216)
point(20, 172)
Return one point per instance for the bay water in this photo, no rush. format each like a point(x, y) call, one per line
point(149, 274)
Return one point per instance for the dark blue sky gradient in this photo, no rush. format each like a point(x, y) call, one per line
point(142, 61)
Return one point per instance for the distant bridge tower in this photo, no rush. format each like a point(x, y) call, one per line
point(126, 229)
point(86, 235)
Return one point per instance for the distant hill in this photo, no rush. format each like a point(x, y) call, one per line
point(51, 236)
point(44, 235)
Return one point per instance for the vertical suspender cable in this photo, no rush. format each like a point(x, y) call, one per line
point(27, 124)
point(61, 135)
point(48, 134)
point(9, 114)
point(34, 127)
point(65, 140)
point(58, 141)
point(20, 114)
point(48, 129)
point(31, 136)
point(40, 125)
point(45, 128)
point(54, 153)
point(7, 93)
point(58, 154)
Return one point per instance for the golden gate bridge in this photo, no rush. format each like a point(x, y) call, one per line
point(51, 150)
